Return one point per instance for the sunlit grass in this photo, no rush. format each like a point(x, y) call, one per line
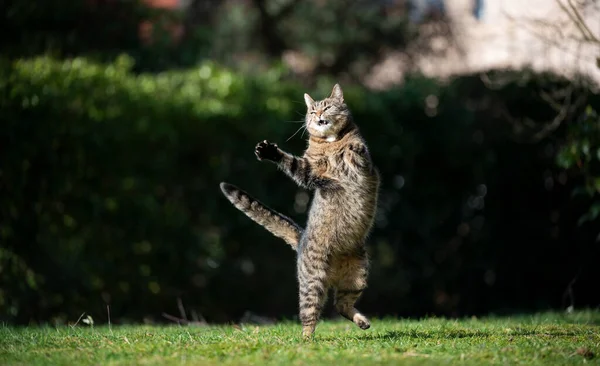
point(547, 338)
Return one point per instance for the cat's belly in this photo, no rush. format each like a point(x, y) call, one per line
point(341, 221)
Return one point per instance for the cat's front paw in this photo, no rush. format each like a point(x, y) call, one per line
point(267, 150)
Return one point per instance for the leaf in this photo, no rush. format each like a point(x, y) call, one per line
point(580, 191)
point(565, 158)
point(585, 147)
point(583, 219)
point(595, 211)
point(589, 111)
point(591, 215)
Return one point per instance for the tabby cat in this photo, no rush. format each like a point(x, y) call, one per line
point(331, 249)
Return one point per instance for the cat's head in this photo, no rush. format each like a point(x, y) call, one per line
point(328, 117)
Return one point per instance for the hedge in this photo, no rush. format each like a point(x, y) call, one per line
point(109, 182)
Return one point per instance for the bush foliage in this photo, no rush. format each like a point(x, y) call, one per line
point(110, 194)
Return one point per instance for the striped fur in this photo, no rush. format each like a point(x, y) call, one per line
point(281, 226)
point(331, 250)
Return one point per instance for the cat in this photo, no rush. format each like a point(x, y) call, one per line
point(331, 250)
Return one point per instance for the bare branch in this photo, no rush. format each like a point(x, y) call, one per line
point(564, 109)
point(581, 24)
point(175, 319)
point(196, 320)
point(552, 101)
point(553, 125)
point(77, 322)
point(573, 28)
point(181, 308)
point(566, 10)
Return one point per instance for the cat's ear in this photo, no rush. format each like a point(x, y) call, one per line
point(337, 93)
point(309, 101)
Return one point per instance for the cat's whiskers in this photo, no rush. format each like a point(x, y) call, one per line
point(295, 133)
point(302, 134)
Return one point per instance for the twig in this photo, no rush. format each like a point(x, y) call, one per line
point(560, 117)
point(581, 24)
point(574, 17)
point(180, 321)
point(108, 311)
point(569, 293)
point(563, 109)
point(175, 319)
point(495, 84)
point(77, 322)
point(181, 309)
point(198, 319)
point(194, 316)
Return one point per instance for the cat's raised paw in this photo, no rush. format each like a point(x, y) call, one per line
point(267, 150)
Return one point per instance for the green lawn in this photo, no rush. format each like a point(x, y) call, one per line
point(547, 338)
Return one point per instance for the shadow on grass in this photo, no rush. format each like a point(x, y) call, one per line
point(591, 322)
point(458, 334)
point(415, 334)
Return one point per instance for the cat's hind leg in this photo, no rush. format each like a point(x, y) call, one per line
point(351, 280)
point(312, 281)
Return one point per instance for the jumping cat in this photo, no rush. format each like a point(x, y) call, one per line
point(331, 249)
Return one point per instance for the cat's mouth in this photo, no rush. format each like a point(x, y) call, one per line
point(321, 126)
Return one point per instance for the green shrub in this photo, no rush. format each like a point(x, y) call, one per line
point(110, 193)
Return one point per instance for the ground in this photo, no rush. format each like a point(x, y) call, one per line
point(548, 338)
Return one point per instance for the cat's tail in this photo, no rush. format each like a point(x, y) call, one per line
point(281, 226)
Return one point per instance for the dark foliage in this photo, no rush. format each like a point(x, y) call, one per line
point(109, 186)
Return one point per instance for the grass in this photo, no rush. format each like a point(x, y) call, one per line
point(548, 338)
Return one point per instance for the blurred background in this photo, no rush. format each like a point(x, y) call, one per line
point(120, 118)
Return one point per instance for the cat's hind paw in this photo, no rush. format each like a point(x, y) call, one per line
point(361, 321)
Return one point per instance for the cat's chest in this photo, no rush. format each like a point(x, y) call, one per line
point(328, 164)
